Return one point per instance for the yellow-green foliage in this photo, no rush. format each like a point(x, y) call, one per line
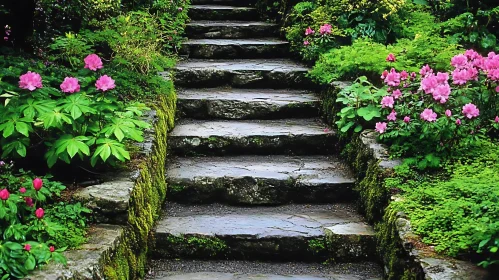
point(129, 261)
point(99, 9)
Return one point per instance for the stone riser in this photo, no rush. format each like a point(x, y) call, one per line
point(256, 145)
point(234, 51)
point(198, 78)
point(223, 14)
point(195, 31)
point(345, 249)
point(232, 110)
point(239, 3)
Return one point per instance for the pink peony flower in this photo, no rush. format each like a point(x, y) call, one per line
point(387, 101)
point(458, 122)
point(29, 201)
point(393, 78)
point(441, 93)
point(70, 85)
point(404, 75)
point(391, 58)
point(459, 61)
point(93, 62)
point(426, 70)
point(39, 213)
point(392, 116)
point(51, 249)
point(309, 31)
point(37, 183)
point(470, 111)
point(381, 127)
point(22, 190)
point(428, 115)
point(325, 29)
point(397, 94)
point(448, 113)
point(105, 83)
point(306, 43)
point(4, 194)
point(407, 119)
point(30, 81)
point(27, 247)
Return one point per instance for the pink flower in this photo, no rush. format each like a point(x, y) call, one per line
point(4, 194)
point(39, 213)
point(22, 190)
point(180, 9)
point(442, 77)
point(428, 115)
point(397, 94)
point(306, 43)
point(470, 111)
point(30, 81)
point(29, 201)
point(393, 78)
point(448, 113)
point(429, 83)
point(496, 119)
point(387, 101)
point(392, 116)
point(425, 70)
point(27, 247)
point(459, 61)
point(407, 119)
point(381, 127)
point(93, 62)
point(70, 85)
point(51, 249)
point(413, 75)
point(404, 75)
point(325, 29)
point(472, 55)
point(37, 183)
point(391, 58)
point(384, 74)
point(441, 93)
point(458, 122)
point(105, 83)
point(309, 31)
point(497, 89)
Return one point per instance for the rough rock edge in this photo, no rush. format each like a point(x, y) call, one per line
point(116, 252)
point(371, 164)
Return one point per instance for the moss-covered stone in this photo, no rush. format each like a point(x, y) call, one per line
point(149, 193)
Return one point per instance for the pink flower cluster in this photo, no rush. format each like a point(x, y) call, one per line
point(437, 85)
point(93, 62)
point(7, 33)
point(325, 29)
point(30, 81)
point(309, 31)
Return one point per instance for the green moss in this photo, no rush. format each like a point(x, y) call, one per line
point(176, 188)
point(129, 262)
point(317, 245)
point(180, 246)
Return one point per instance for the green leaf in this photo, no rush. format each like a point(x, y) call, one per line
point(347, 126)
point(369, 112)
point(30, 263)
point(8, 129)
point(23, 128)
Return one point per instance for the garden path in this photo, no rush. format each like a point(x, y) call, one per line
point(256, 190)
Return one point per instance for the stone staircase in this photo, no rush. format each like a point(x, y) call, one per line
point(255, 188)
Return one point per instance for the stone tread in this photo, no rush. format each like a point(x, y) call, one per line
point(249, 95)
point(244, 270)
point(236, 42)
point(264, 65)
point(235, 23)
point(241, 129)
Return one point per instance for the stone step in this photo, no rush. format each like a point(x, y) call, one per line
point(220, 12)
point(247, 73)
point(286, 136)
point(235, 48)
point(230, 29)
point(288, 233)
point(233, 103)
point(246, 270)
point(243, 3)
point(259, 180)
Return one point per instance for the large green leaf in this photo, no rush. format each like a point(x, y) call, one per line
point(369, 112)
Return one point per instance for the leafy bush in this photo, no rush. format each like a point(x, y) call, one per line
point(31, 236)
point(71, 48)
point(79, 119)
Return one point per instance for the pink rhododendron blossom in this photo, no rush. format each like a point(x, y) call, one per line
point(384, 74)
point(448, 113)
point(381, 127)
point(393, 78)
point(429, 83)
point(462, 76)
point(493, 74)
point(413, 75)
point(70, 85)
point(425, 70)
point(325, 29)
point(441, 93)
point(497, 89)
point(391, 58)
point(392, 116)
point(29, 201)
point(459, 61)
point(4, 194)
point(39, 213)
point(496, 119)
point(93, 62)
point(306, 43)
point(105, 83)
point(309, 31)
point(407, 119)
point(458, 122)
point(30, 81)
point(442, 77)
point(470, 111)
point(428, 115)
point(404, 75)
point(37, 183)
point(22, 190)
point(472, 55)
point(397, 94)
point(387, 101)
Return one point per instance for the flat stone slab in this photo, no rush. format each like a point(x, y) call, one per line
point(223, 103)
point(291, 136)
point(259, 179)
point(88, 261)
point(230, 29)
point(222, 12)
point(163, 269)
point(235, 48)
point(278, 233)
point(242, 73)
